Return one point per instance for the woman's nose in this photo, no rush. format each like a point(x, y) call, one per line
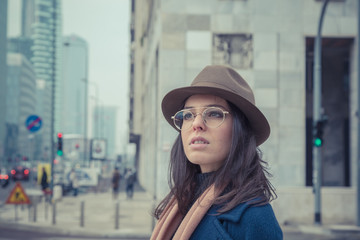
point(198, 122)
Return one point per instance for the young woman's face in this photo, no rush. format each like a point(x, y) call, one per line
point(207, 147)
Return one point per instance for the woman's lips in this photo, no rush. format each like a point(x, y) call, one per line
point(199, 140)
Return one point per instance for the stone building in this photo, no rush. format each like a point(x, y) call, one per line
point(271, 44)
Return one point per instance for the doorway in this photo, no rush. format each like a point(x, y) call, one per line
point(335, 103)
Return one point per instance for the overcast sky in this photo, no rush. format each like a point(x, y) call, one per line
point(104, 24)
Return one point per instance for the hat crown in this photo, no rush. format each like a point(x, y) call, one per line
point(226, 83)
point(224, 78)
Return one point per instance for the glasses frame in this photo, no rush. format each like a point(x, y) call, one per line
point(202, 116)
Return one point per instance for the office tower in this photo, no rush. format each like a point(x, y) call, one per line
point(3, 76)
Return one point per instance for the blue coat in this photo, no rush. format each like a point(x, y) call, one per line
point(243, 222)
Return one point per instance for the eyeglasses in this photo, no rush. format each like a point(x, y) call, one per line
point(212, 117)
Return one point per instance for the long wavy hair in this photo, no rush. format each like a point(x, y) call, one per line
point(242, 178)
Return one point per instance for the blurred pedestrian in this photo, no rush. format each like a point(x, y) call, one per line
point(130, 179)
point(44, 180)
point(74, 182)
point(115, 182)
point(219, 185)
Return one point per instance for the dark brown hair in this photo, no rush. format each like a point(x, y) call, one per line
point(243, 176)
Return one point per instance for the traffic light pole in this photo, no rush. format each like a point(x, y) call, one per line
point(358, 116)
point(317, 166)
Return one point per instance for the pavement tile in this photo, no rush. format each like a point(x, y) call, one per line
point(134, 220)
point(99, 215)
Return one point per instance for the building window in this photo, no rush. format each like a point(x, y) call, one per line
point(235, 50)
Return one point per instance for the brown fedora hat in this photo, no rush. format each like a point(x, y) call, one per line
point(223, 82)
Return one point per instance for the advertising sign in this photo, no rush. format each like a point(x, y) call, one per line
point(98, 149)
point(86, 177)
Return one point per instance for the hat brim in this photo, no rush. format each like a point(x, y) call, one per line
point(175, 100)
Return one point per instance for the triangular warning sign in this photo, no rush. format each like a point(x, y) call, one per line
point(18, 196)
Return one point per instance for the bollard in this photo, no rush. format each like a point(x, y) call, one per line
point(82, 206)
point(29, 208)
point(35, 210)
point(54, 213)
point(46, 206)
point(117, 216)
point(16, 212)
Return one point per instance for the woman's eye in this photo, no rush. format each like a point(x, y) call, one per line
point(214, 114)
point(187, 115)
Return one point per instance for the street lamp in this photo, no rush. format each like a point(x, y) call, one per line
point(86, 80)
point(97, 99)
point(98, 119)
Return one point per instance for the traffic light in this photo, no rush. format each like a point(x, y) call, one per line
point(60, 145)
point(319, 132)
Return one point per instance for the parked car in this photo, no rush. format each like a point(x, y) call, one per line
point(20, 173)
point(4, 177)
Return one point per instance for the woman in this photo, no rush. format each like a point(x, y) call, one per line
point(219, 186)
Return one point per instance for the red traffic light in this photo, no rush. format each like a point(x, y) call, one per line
point(59, 135)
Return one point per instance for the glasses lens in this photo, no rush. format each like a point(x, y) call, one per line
point(183, 119)
point(213, 117)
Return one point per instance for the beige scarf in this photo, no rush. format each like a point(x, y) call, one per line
point(171, 218)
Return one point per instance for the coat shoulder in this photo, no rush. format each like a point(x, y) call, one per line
point(242, 222)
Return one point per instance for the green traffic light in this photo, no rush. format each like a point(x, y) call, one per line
point(59, 153)
point(318, 142)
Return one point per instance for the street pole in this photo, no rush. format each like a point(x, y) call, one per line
point(317, 166)
point(53, 86)
point(97, 107)
point(86, 110)
point(358, 116)
point(86, 81)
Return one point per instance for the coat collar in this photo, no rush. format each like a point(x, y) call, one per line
point(234, 214)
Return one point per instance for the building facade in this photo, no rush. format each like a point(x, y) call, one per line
point(74, 92)
point(41, 21)
point(74, 85)
point(105, 119)
point(3, 77)
point(271, 44)
point(20, 104)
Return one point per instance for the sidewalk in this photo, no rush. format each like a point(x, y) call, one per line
point(134, 220)
point(331, 232)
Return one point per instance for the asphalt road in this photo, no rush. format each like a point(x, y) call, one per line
point(302, 236)
point(18, 234)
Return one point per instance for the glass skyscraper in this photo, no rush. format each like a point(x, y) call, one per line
point(41, 21)
point(3, 75)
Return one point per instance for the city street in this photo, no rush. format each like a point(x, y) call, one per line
point(16, 234)
point(260, 97)
point(134, 217)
